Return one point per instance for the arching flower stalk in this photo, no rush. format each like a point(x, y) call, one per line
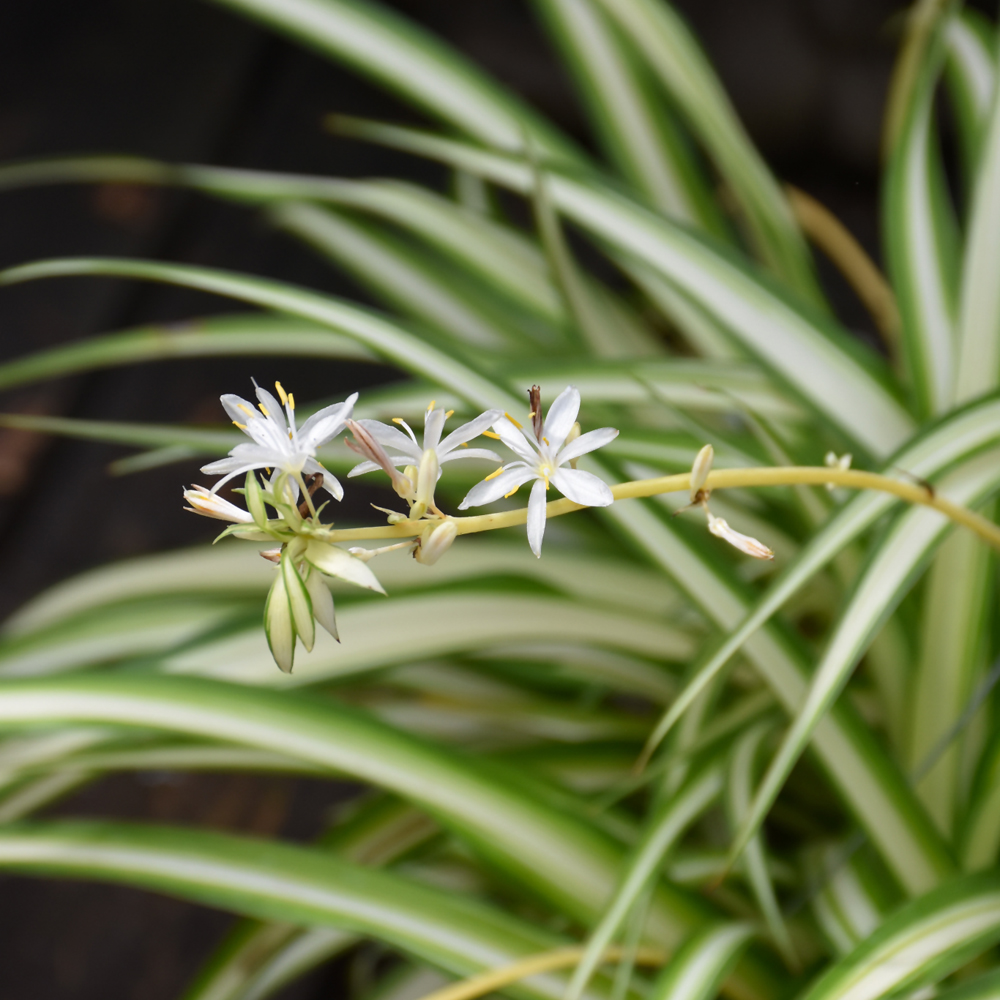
point(542, 453)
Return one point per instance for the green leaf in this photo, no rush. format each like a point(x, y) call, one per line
point(634, 127)
point(673, 54)
point(702, 963)
point(567, 862)
point(970, 76)
point(663, 829)
point(388, 340)
point(842, 382)
point(285, 883)
point(890, 572)
point(925, 941)
point(923, 246)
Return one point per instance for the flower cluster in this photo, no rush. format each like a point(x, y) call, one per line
point(281, 507)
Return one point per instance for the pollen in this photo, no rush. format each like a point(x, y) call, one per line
point(282, 395)
point(493, 475)
point(490, 434)
point(520, 427)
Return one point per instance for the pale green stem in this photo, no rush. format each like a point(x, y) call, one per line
point(721, 479)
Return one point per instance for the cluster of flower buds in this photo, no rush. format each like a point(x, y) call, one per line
point(280, 508)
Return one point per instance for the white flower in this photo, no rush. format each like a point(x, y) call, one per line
point(406, 450)
point(276, 442)
point(212, 505)
point(541, 457)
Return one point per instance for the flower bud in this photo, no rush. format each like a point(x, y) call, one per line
point(322, 602)
point(298, 601)
point(212, 505)
point(699, 474)
point(278, 625)
point(435, 541)
point(426, 479)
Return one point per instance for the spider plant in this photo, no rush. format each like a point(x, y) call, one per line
point(655, 767)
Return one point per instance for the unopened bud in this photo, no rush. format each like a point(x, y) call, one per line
point(699, 473)
point(435, 541)
point(426, 479)
point(210, 504)
point(750, 546)
point(834, 461)
point(271, 555)
point(365, 444)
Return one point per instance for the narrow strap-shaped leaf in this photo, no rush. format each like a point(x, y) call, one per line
point(281, 882)
point(635, 129)
point(978, 368)
point(888, 576)
point(662, 832)
point(702, 963)
point(373, 331)
point(558, 856)
point(407, 278)
point(826, 369)
point(739, 788)
point(923, 246)
point(378, 42)
point(865, 777)
point(922, 943)
point(673, 54)
point(985, 987)
point(501, 255)
point(956, 437)
point(970, 77)
point(979, 832)
point(843, 905)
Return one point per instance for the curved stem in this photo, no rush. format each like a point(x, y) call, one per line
point(546, 961)
point(721, 479)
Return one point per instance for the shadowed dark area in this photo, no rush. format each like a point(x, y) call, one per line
point(188, 81)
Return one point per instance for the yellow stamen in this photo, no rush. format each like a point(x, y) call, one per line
point(242, 427)
point(291, 401)
point(490, 434)
point(397, 420)
point(263, 409)
point(282, 395)
point(506, 496)
point(513, 421)
point(531, 416)
point(545, 439)
point(432, 405)
point(493, 475)
point(449, 415)
point(246, 409)
point(464, 444)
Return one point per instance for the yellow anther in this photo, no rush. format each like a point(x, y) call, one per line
point(282, 395)
point(545, 439)
point(242, 427)
point(291, 401)
point(263, 409)
point(246, 409)
point(464, 444)
point(507, 496)
point(513, 421)
point(493, 475)
point(397, 420)
point(433, 403)
point(490, 434)
point(531, 416)
point(449, 415)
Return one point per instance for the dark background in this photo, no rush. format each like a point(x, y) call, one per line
point(188, 81)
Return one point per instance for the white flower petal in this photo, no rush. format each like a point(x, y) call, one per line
point(586, 443)
point(515, 440)
point(274, 409)
point(517, 474)
point(469, 453)
point(433, 425)
point(231, 403)
point(332, 561)
point(322, 602)
point(330, 482)
point(468, 431)
point(536, 517)
point(326, 423)
point(393, 437)
point(362, 467)
point(561, 417)
point(583, 487)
